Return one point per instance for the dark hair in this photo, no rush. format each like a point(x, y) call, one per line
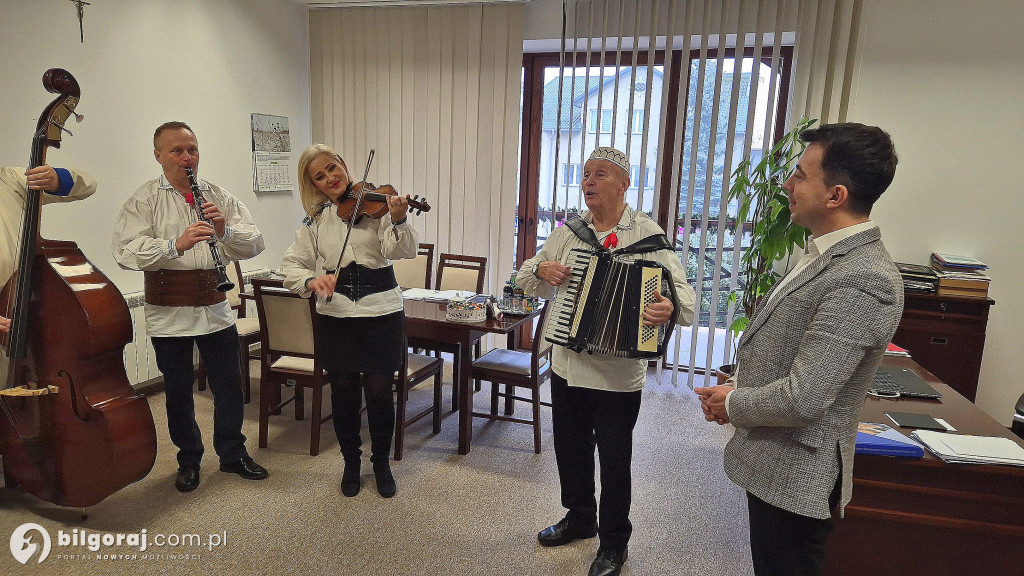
point(860, 157)
point(170, 126)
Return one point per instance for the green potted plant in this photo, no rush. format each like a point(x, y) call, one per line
point(774, 236)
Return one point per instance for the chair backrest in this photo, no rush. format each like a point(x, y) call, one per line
point(286, 322)
point(234, 271)
point(540, 345)
point(416, 272)
point(459, 272)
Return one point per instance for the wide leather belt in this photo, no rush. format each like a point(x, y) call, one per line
point(356, 281)
point(183, 288)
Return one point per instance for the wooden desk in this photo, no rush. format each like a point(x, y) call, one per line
point(426, 320)
point(924, 517)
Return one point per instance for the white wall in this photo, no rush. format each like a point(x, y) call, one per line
point(946, 79)
point(145, 62)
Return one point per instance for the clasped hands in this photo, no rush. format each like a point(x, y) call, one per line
point(656, 313)
point(712, 402)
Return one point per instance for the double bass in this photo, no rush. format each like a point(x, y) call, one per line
point(72, 429)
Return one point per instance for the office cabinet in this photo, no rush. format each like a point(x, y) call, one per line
point(946, 335)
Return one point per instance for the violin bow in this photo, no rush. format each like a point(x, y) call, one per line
point(351, 221)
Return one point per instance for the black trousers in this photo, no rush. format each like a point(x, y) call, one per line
point(583, 418)
point(783, 543)
point(219, 352)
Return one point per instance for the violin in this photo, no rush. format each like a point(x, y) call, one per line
point(365, 199)
point(72, 429)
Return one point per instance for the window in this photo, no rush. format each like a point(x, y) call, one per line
point(571, 174)
point(634, 177)
point(638, 121)
point(606, 122)
point(689, 204)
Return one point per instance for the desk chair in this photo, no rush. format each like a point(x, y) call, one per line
point(416, 272)
point(458, 272)
point(416, 368)
point(248, 332)
point(517, 369)
point(288, 352)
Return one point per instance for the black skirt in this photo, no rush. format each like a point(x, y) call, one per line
point(369, 345)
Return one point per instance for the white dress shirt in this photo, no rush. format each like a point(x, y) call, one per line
point(144, 234)
point(374, 243)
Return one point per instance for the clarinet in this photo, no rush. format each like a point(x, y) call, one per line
point(223, 284)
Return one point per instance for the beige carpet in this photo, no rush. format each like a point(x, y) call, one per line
point(454, 515)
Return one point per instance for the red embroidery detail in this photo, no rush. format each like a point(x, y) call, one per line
point(611, 241)
point(190, 199)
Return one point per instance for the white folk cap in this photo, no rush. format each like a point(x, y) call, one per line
point(612, 155)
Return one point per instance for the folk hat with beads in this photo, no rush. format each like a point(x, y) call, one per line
point(612, 155)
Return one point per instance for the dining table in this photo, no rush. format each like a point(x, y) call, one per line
point(426, 321)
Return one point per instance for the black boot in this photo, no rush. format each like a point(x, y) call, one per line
point(380, 415)
point(350, 479)
point(386, 486)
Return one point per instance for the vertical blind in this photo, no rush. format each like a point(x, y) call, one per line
point(822, 35)
point(435, 91)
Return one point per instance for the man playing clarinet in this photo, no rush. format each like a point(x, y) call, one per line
point(163, 231)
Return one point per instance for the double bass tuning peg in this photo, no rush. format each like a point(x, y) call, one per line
point(61, 126)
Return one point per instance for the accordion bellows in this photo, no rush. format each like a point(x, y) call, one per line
point(599, 308)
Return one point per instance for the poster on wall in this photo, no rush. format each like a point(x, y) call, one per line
point(271, 154)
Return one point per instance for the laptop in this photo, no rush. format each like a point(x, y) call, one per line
point(893, 381)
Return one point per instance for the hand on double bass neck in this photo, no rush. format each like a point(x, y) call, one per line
point(42, 178)
point(5, 324)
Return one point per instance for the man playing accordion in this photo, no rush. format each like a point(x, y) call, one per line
point(596, 398)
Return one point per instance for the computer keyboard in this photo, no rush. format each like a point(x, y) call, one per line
point(883, 385)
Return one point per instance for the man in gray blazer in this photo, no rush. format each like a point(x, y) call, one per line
point(810, 351)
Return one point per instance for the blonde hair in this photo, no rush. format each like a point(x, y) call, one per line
point(310, 196)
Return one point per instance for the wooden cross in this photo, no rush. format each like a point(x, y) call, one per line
point(80, 4)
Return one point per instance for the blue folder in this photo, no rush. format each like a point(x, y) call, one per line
point(883, 440)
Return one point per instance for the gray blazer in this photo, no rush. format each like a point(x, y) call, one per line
point(804, 365)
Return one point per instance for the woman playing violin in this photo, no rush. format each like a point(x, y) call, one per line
point(360, 329)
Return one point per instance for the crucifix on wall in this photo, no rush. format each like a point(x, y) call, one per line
point(80, 4)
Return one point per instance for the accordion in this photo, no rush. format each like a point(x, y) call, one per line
point(599, 308)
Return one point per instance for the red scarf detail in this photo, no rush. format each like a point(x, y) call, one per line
point(611, 241)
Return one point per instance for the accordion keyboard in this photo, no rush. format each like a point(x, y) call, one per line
point(561, 319)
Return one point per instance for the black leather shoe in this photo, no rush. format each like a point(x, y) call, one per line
point(350, 480)
point(187, 479)
point(608, 563)
point(563, 533)
point(246, 468)
point(386, 486)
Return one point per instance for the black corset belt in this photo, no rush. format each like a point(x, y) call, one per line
point(356, 281)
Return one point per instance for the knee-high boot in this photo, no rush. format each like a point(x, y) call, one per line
point(345, 398)
point(381, 416)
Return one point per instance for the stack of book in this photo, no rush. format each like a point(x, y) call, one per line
point(918, 278)
point(960, 275)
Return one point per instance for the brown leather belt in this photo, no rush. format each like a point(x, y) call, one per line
point(183, 288)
